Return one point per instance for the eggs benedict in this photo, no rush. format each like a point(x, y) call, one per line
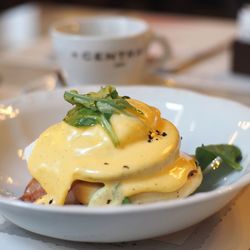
point(109, 150)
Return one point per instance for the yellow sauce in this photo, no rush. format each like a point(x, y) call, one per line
point(63, 154)
point(168, 180)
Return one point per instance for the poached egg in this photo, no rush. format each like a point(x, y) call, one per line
point(146, 166)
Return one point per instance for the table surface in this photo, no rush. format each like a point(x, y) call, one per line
point(25, 49)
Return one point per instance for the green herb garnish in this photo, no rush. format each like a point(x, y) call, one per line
point(217, 162)
point(97, 108)
point(229, 154)
point(126, 201)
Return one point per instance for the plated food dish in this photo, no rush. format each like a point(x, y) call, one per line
point(113, 150)
point(109, 150)
point(183, 108)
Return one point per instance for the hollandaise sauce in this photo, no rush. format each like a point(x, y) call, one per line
point(147, 158)
point(64, 153)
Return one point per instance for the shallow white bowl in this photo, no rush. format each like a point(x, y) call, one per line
point(200, 119)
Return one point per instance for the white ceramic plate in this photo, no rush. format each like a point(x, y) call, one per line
point(200, 119)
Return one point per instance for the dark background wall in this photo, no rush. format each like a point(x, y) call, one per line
point(223, 8)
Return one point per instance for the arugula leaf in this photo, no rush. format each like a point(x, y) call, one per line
point(79, 117)
point(217, 162)
point(74, 98)
point(229, 154)
point(105, 123)
point(97, 108)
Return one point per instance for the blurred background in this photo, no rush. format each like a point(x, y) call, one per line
point(219, 8)
point(201, 33)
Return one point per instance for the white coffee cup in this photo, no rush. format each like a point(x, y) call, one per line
point(105, 49)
